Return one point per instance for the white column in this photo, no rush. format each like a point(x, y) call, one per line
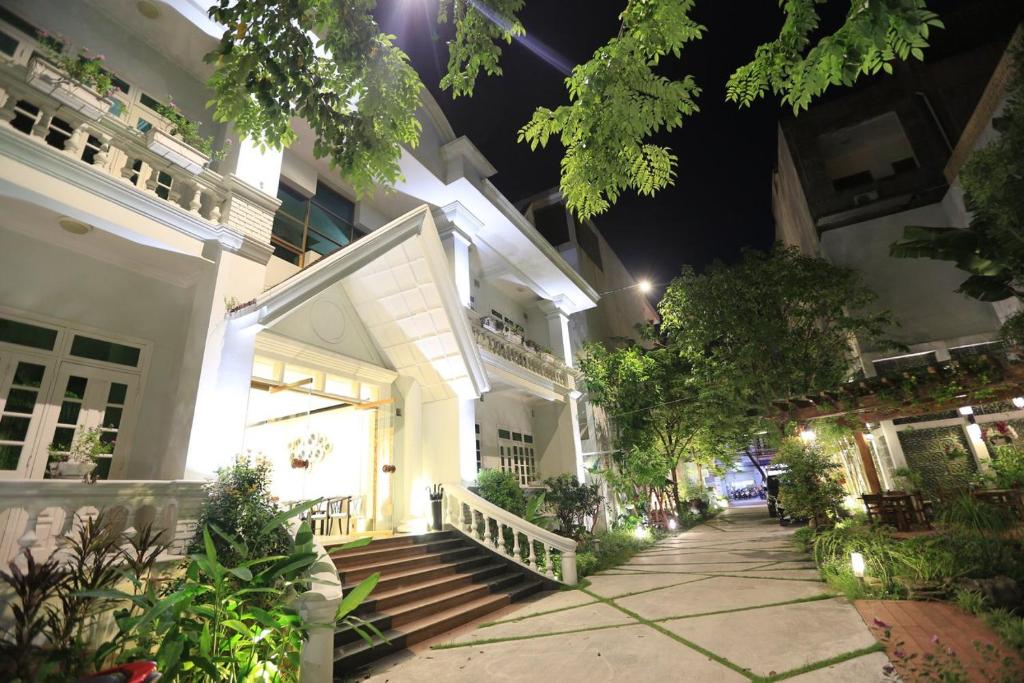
point(558, 330)
point(408, 455)
point(456, 227)
point(892, 441)
point(213, 389)
point(568, 419)
point(260, 168)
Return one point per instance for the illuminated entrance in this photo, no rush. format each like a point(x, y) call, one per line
point(324, 435)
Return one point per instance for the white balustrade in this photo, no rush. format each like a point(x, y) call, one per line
point(111, 146)
point(538, 362)
point(537, 549)
point(36, 513)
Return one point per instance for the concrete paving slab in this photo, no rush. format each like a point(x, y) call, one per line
point(718, 593)
point(614, 585)
point(777, 639)
point(866, 669)
point(588, 616)
point(629, 653)
point(547, 601)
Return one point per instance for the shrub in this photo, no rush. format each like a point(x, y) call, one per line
point(810, 487)
point(804, 539)
point(586, 564)
point(1009, 626)
point(966, 513)
point(970, 601)
point(609, 549)
point(1008, 466)
point(239, 503)
point(502, 489)
point(572, 503)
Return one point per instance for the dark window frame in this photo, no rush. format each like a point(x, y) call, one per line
point(299, 251)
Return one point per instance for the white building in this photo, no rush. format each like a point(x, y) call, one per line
point(195, 312)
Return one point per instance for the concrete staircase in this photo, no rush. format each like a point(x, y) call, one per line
point(429, 584)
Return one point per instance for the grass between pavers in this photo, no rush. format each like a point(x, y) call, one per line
point(814, 666)
point(794, 601)
point(720, 575)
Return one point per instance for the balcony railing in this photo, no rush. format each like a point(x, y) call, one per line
point(515, 352)
point(36, 101)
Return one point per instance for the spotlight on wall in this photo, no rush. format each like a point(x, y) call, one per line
point(1018, 402)
point(966, 410)
point(857, 564)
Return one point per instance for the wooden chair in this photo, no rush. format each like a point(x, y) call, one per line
point(873, 506)
point(338, 509)
point(319, 513)
point(1009, 499)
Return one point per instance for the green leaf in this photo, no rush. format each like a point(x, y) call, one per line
point(351, 545)
point(357, 595)
point(280, 518)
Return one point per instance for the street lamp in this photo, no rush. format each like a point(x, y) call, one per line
point(644, 286)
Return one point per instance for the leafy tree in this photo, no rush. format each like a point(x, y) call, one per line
point(774, 325)
point(810, 487)
point(662, 414)
point(991, 248)
point(329, 63)
point(502, 489)
point(572, 503)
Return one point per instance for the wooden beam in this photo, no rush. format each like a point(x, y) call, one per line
point(867, 461)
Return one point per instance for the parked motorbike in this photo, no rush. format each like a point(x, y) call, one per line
point(133, 672)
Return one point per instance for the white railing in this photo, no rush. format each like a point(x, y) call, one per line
point(539, 550)
point(115, 148)
point(319, 608)
point(537, 362)
point(36, 513)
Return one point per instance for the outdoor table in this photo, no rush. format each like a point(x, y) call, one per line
point(897, 508)
point(1006, 498)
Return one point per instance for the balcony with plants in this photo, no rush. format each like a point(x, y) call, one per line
point(506, 341)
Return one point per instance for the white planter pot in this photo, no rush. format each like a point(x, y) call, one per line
point(74, 470)
point(514, 337)
point(47, 78)
point(489, 324)
point(175, 151)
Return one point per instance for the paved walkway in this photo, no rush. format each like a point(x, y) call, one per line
point(730, 600)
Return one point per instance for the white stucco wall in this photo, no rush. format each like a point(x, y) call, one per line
point(58, 283)
point(504, 411)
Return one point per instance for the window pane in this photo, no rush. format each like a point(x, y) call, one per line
point(288, 229)
point(8, 44)
point(97, 349)
point(334, 203)
point(23, 334)
point(62, 437)
point(112, 417)
point(76, 387)
point(503, 434)
point(118, 392)
point(293, 202)
point(9, 456)
point(21, 401)
point(29, 374)
point(527, 438)
point(331, 226)
point(13, 428)
point(317, 243)
point(69, 411)
point(288, 255)
point(102, 470)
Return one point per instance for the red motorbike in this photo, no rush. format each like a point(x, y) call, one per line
point(134, 672)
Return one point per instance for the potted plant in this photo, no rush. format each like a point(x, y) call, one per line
point(491, 324)
point(532, 345)
point(75, 78)
point(184, 146)
point(547, 356)
point(80, 458)
point(514, 333)
point(308, 450)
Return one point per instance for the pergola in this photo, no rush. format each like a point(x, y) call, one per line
point(933, 388)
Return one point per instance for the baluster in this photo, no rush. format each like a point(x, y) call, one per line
point(215, 209)
point(41, 128)
point(467, 519)
point(197, 199)
point(7, 109)
point(153, 181)
point(69, 520)
point(74, 145)
point(549, 564)
point(487, 529)
point(29, 539)
point(515, 546)
point(533, 554)
point(102, 157)
point(128, 170)
point(174, 193)
point(499, 539)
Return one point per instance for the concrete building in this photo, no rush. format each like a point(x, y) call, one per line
point(192, 309)
point(864, 163)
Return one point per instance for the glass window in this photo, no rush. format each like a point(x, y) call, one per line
point(24, 334)
point(304, 226)
point(111, 352)
point(8, 44)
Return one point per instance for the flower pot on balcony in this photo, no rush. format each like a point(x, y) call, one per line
point(73, 470)
point(532, 345)
point(489, 323)
point(175, 151)
point(547, 357)
point(49, 79)
point(513, 336)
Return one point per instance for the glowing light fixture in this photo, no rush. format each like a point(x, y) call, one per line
point(869, 437)
point(672, 526)
point(641, 533)
point(966, 410)
point(74, 227)
point(644, 285)
point(1018, 402)
point(974, 430)
point(147, 9)
point(857, 564)
point(808, 435)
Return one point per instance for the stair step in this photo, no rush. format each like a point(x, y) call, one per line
point(394, 617)
point(374, 554)
point(359, 572)
point(401, 540)
point(417, 574)
point(394, 596)
point(352, 655)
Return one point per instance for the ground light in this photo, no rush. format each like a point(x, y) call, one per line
point(808, 435)
point(672, 525)
point(1018, 402)
point(974, 430)
point(857, 564)
point(641, 533)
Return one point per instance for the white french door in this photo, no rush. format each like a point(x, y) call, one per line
point(86, 397)
point(25, 384)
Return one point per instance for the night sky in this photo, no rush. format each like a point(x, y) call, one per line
point(721, 200)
